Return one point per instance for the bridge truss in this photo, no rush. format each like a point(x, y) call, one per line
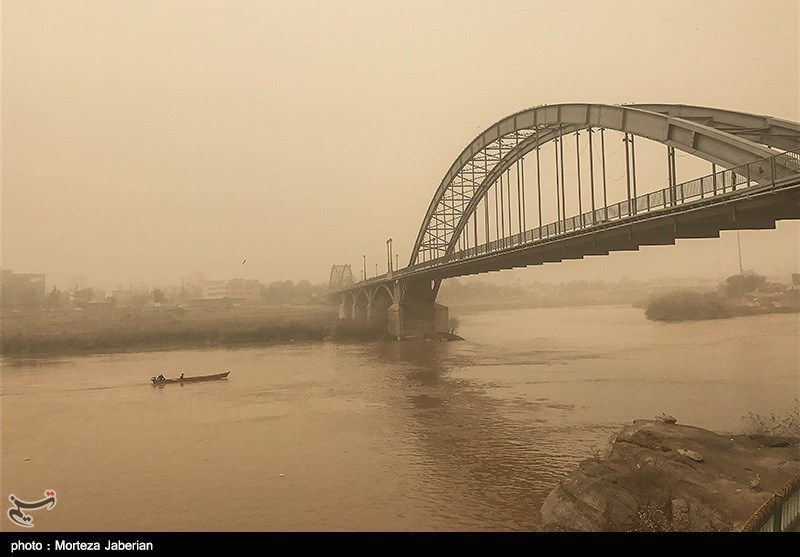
point(485, 202)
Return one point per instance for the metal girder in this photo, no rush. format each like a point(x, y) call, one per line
point(774, 132)
point(721, 137)
point(341, 276)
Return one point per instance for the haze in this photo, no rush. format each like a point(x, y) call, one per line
point(146, 140)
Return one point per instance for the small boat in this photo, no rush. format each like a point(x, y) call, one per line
point(161, 380)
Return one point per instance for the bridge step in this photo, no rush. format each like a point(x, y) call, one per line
point(759, 211)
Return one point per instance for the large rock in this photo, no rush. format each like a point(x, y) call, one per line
point(660, 476)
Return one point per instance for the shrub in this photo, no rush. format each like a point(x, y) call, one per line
point(780, 425)
point(685, 305)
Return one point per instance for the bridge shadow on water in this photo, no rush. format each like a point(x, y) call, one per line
point(486, 468)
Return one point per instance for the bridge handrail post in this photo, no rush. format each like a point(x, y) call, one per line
point(772, 169)
point(748, 177)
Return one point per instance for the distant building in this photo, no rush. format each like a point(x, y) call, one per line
point(237, 289)
point(22, 290)
point(250, 290)
point(84, 296)
point(215, 289)
point(132, 298)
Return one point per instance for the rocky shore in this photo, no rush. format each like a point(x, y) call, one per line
point(663, 476)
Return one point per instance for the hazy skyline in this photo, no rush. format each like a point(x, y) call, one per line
point(146, 140)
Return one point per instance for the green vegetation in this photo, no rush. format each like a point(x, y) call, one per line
point(687, 305)
point(63, 333)
point(186, 338)
point(741, 294)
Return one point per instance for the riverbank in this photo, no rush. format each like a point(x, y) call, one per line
point(77, 332)
point(448, 437)
point(738, 295)
point(661, 476)
point(693, 306)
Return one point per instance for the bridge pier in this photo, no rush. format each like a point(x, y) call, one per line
point(345, 308)
point(757, 187)
point(415, 312)
point(358, 310)
point(418, 320)
point(403, 309)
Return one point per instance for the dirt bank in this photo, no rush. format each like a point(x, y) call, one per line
point(661, 476)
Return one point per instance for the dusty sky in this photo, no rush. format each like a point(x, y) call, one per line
point(143, 140)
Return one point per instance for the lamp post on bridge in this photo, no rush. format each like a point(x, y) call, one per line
point(365, 267)
point(389, 256)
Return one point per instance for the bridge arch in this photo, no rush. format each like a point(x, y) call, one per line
point(721, 137)
point(388, 291)
point(381, 300)
point(361, 302)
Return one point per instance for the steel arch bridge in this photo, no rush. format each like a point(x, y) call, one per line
point(725, 138)
point(754, 182)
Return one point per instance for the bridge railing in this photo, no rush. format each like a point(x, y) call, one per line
point(780, 513)
point(766, 173)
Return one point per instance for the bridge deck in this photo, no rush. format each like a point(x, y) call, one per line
point(754, 196)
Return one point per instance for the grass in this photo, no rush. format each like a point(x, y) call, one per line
point(66, 334)
point(775, 425)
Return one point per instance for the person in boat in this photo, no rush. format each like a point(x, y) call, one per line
point(181, 377)
point(160, 377)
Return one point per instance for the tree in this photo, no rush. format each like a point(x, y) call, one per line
point(158, 296)
point(84, 295)
point(686, 306)
point(302, 292)
point(739, 285)
point(278, 292)
point(54, 298)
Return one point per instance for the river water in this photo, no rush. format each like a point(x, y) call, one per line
point(411, 436)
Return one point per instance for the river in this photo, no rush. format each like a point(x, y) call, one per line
point(409, 436)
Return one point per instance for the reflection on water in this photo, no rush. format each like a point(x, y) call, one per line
point(33, 363)
point(383, 436)
point(495, 467)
